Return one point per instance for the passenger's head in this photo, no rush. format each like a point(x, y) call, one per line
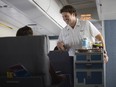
point(69, 14)
point(24, 31)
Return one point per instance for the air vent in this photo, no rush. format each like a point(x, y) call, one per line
point(32, 25)
point(2, 4)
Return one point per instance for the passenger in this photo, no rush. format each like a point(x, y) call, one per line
point(24, 31)
point(71, 36)
point(27, 31)
point(55, 48)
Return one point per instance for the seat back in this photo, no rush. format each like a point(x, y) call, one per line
point(61, 61)
point(28, 51)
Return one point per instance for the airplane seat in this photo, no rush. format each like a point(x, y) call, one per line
point(24, 61)
point(63, 64)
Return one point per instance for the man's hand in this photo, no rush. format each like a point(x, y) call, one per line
point(105, 57)
point(61, 46)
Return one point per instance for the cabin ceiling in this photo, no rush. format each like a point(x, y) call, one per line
point(19, 13)
point(108, 9)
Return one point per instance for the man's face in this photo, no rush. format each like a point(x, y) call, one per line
point(68, 18)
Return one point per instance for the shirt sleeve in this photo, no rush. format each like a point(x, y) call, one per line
point(93, 30)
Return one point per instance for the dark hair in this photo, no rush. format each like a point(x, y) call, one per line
point(24, 31)
point(69, 8)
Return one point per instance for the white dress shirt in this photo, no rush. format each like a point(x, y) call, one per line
point(72, 38)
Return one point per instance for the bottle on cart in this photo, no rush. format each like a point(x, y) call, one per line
point(84, 43)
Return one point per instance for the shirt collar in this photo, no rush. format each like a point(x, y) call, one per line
point(77, 24)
